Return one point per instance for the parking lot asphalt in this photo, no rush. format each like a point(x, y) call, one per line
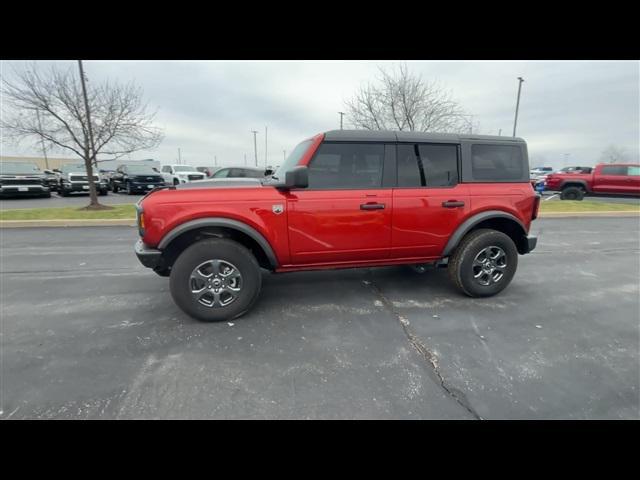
point(74, 200)
point(87, 332)
point(555, 197)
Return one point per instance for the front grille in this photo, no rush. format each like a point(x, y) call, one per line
point(196, 177)
point(21, 181)
point(148, 179)
point(82, 178)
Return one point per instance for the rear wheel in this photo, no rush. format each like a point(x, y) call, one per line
point(215, 279)
point(128, 188)
point(572, 193)
point(114, 188)
point(484, 263)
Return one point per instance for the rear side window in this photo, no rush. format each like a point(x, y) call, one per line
point(496, 162)
point(614, 170)
point(346, 165)
point(634, 171)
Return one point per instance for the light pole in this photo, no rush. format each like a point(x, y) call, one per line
point(255, 145)
point(265, 146)
point(341, 115)
point(515, 121)
point(566, 156)
point(284, 155)
point(500, 132)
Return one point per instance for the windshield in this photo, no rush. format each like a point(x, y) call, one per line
point(73, 168)
point(18, 167)
point(184, 168)
point(144, 169)
point(292, 160)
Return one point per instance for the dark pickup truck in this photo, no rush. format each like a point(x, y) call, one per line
point(605, 179)
point(21, 178)
point(136, 179)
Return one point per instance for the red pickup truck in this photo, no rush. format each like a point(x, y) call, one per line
point(605, 179)
point(345, 199)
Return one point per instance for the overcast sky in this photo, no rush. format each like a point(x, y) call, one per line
point(209, 108)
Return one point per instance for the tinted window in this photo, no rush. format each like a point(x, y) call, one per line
point(440, 164)
point(635, 171)
point(496, 162)
point(254, 173)
point(221, 173)
point(409, 171)
point(614, 170)
point(347, 165)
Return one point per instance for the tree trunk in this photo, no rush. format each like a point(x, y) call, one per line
point(94, 204)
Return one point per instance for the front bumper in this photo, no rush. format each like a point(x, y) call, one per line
point(82, 187)
point(149, 257)
point(23, 190)
point(145, 187)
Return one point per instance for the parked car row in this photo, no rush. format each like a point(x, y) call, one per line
point(22, 178)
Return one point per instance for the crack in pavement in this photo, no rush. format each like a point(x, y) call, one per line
point(415, 342)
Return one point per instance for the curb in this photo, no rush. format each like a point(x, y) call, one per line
point(128, 222)
point(614, 213)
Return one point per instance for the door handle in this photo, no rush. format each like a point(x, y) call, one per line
point(452, 204)
point(372, 206)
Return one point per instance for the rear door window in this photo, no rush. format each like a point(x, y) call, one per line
point(440, 164)
point(614, 170)
point(347, 166)
point(491, 163)
point(634, 171)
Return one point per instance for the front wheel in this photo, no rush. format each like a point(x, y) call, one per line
point(114, 188)
point(215, 280)
point(484, 263)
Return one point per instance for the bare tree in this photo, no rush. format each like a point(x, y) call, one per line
point(403, 101)
point(613, 154)
point(48, 107)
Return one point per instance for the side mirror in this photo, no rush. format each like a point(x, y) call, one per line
point(298, 177)
point(268, 172)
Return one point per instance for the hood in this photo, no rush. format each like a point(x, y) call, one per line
point(222, 183)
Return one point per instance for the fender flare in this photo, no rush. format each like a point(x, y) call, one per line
point(221, 222)
point(471, 222)
point(571, 182)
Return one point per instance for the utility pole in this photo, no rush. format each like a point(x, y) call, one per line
point(215, 161)
point(245, 159)
point(515, 121)
point(500, 132)
point(255, 145)
point(179, 157)
point(92, 185)
point(44, 151)
point(265, 146)
point(284, 155)
point(566, 156)
point(341, 115)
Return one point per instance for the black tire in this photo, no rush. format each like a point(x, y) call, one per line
point(114, 188)
point(63, 193)
point(176, 182)
point(461, 269)
point(572, 193)
point(103, 192)
point(225, 250)
point(47, 195)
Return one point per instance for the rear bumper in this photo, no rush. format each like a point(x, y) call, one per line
point(149, 257)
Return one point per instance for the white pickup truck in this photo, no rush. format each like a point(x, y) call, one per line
point(177, 174)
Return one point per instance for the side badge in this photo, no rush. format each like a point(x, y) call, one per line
point(277, 209)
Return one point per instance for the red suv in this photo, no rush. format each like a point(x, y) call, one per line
point(345, 199)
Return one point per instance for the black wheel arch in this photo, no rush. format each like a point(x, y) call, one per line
point(574, 183)
point(496, 220)
point(174, 242)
